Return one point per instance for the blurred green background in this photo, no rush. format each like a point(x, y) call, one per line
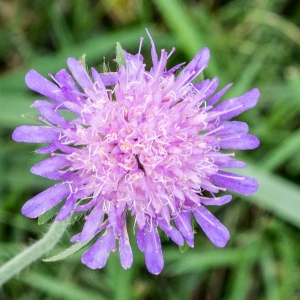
point(253, 44)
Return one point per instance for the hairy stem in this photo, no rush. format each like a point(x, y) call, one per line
point(32, 253)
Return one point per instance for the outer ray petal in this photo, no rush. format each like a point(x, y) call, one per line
point(92, 223)
point(212, 227)
point(80, 73)
point(219, 95)
point(198, 64)
point(183, 223)
point(44, 201)
point(39, 84)
point(66, 209)
point(243, 142)
point(34, 134)
point(233, 127)
point(235, 106)
point(240, 184)
point(126, 255)
point(96, 257)
point(153, 253)
point(50, 167)
point(171, 232)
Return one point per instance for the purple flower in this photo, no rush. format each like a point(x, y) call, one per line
point(144, 144)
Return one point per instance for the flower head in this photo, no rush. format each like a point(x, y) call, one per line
point(145, 144)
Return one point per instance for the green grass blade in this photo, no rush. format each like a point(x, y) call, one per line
point(59, 290)
point(275, 194)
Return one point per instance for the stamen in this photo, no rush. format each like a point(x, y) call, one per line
point(140, 47)
point(171, 52)
point(41, 119)
point(213, 131)
point(53, 78)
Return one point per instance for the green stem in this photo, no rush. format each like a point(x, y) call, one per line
point(32, 253)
